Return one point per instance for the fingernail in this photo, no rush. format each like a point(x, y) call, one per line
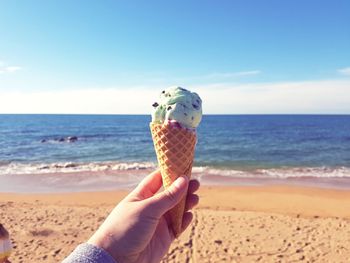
point(180, 181)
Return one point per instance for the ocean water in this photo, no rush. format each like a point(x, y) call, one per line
point(116, 151)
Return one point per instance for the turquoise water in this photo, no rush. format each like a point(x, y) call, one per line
point(242, 146)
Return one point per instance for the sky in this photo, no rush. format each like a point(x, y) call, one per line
point(114, 57)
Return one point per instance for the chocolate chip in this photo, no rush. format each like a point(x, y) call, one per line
point(195, 106)
point(169, 108)
point(192, 118)
point(155, 104)
point(163, 91)
point(185, 113)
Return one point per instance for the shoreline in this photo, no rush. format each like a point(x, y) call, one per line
point(242, 223)
point(119, 180)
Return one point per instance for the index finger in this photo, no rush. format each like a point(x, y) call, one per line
point(148, 186)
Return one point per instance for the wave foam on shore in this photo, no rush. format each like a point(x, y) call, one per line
point(13, 168)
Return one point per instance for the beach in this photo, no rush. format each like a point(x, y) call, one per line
point(277, 223)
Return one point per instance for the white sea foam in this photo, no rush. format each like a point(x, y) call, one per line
point(199, 171)
point(69, 167)
point(102, 176)
point(278, 173)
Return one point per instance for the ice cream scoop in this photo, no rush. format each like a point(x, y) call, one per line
point(178, 104)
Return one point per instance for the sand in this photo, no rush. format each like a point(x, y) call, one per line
point(231, 224)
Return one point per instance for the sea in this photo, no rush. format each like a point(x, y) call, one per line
point(72, 153)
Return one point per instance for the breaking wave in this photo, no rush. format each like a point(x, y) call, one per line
point(279, 173)
point(12, 168)
point(69, 167)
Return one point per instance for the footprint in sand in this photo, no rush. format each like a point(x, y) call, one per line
point(41, 232)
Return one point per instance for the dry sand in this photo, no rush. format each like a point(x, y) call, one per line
point(231, 224)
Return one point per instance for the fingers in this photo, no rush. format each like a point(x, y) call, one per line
point(164, 201)
point(186, 220)
point(148, 186)
point(193, 186)
point(151, 185)
point(191, 201)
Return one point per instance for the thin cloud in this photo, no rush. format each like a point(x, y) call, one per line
point(232, 74)
point(8, 69)
point(305, 97)
point(214, 77)
point(344, 71)
point(326, 96)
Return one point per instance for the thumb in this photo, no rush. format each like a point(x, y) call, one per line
point(164, 201)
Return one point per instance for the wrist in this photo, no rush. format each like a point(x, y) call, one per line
point(105, 242)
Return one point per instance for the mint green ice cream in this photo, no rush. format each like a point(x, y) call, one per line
point(178, 104)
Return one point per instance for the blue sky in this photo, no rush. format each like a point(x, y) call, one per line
point(116, 48)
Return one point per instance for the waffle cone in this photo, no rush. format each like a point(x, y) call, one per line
point(175, 152)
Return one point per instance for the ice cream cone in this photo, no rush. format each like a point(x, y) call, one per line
point(174, 147)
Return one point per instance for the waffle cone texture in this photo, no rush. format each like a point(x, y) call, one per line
point(174, 147)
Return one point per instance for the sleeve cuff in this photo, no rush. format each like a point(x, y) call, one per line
point(88, 253)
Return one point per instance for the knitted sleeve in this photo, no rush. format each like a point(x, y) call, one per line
point(87, 253)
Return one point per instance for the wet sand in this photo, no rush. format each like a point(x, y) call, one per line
point(231, 224)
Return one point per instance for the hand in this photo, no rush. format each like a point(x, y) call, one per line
point(138, 229)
